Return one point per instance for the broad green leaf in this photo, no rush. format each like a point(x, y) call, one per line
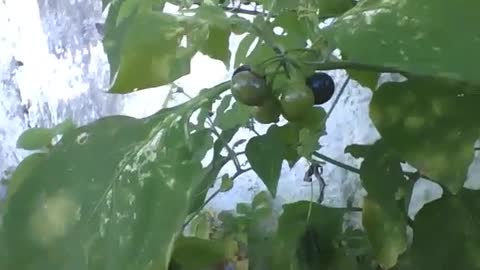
point(289, 139)
point(294, 34)
point(333, 8)
point(64, 126)
point(385, 224)
point(278, 5)
point(356, 242)
point(211, 172)
point(259, 54)
point(114, 34)
point(227, 183)
point(344, 261)
point(239, 25)
point(217, 42)
point(203, 141)
point(243, 49)
point(291, 24)
point(80, 211)
point(194, 253)
point(311, 128)
point(265, 154)
point(35, 138)
point(23, 170)
point(314, 121)
point(413, 36)
point(381, 173)
point(365, 78)
point(446, 234)
point(105, 3)
point(384, 221)
point(127, 9)
point(224, 104)
point(308, 141)
point(200, 225)
point(150, 56)
point(431, 124)
point(311, 240)
point(213, 15)
point(261, 200)
point(244, 209)
point(238, 115)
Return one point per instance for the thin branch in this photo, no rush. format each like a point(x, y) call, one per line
point(350, 65)
point(344, 86)
point(231, 152)
point(211, 197)
point(411, 175)
point(409, 222)
point(337, 163)
point(238, 10)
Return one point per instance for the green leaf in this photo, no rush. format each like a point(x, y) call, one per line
point(211, 172)
point(308, 143)
point(64, 126)
point(217, 44)
point(312, 240)
point(244, 209)
point(23, 170)
point(200, 225)
point(333, 8)
point(104, 209)
point(289, 139)
point(195, 253)
point(261, 200)
point(115, 30)
point(365, 78)
point(105, 3)
point(314, 120)
point(243, 48)
point(311, 128)
point(203, 141)
point(413, 36)
point(386, 225)
point(213, 15)
point(35, 138)
point(238, 115)
point(214, 39)
point(431, 124)
point(384, 221)
point(224, 104)
point(150, 56)
point(227, 183)
point(239, 25)
point(294, 34)
point(265, 154)
point(381, 173)
point(259, 54)
point(446, 234)
point(275, 5)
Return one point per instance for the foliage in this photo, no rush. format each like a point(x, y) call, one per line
point(122, 193)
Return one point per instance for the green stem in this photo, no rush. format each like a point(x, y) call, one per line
point(211, 197)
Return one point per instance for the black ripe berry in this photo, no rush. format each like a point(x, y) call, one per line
point(242, 68)
point(322, 86)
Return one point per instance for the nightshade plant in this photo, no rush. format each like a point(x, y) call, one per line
point(117, 193)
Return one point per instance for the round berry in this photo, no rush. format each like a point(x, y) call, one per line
point(322, 86)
